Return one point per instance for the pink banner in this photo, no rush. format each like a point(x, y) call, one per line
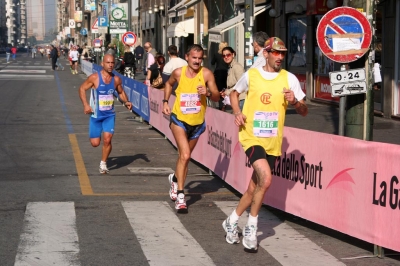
point(342, 183)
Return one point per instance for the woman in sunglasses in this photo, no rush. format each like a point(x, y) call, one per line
point(235, 71)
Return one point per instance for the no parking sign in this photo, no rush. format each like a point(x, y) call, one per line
point(129, 38)
point(344, 34)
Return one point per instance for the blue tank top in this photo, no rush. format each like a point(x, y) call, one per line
point(102, 98)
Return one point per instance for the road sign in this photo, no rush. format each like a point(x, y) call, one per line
point(129, 38)
point(103, 22)
point(84, 31)
point(344, 34)
point(97, 42)
point(347, 76)
point(95, 26)
point(72, 23)
point(349, 88)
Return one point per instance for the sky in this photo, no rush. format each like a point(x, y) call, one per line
point(50, 14)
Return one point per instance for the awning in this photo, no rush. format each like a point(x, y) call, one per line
point(215, 33)
point(181, 8)
point(175, 7)
point(181, 29)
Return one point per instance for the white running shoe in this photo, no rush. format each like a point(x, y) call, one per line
point(250, 237)
point(103, 168)
point(173, 190)
point(180, 203)
point(232, 234)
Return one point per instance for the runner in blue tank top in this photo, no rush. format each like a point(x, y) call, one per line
point(103, 84)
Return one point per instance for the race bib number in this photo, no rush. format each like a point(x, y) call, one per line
point(190, 103)
point(106, 102)
point(265, 124)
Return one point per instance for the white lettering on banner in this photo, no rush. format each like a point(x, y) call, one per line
point(326, 88)
point(127, 91)
point(220, 141)
point(136, 99)
point(145, 105)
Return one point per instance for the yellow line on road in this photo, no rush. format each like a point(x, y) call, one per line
point(83, 177)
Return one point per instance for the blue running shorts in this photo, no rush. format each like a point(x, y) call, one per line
point(99, 125)
point(192, 132)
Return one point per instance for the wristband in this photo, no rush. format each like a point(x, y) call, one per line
point(296, 101)
point(165, 101)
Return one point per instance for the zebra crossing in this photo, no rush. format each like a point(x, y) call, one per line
point(50, 236)
point(25, 70)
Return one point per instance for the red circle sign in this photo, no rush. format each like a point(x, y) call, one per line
point(344, 34)
point(129, 38)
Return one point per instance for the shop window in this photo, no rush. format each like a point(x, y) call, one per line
point(296, 42)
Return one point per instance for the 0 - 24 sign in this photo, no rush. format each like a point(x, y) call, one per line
point(347, 76)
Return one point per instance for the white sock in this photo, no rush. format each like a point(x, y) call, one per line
point(102, 162)
point(252, 220)
point(234, 217)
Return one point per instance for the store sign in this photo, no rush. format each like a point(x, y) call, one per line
point(214, 37)
point(118, 26)
point(316, 7)
point(78, 16)
point(90, 5)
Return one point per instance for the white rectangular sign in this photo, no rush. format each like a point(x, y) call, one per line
point(347, 76)
point(349, 88)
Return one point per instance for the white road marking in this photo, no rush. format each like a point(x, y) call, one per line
point(151, 170)
point(25, 71)
point(49, 235)
point(162, 236)
point(29, 77)
point(284, 243)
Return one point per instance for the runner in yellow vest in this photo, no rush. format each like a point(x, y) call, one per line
point(195, 83)
point(269, 91)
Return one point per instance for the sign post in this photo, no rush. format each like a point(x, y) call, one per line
point(344, 35)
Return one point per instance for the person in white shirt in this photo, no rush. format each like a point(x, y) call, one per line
point(174, 61)
point(73, 54)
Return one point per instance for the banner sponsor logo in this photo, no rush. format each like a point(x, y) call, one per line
point(220, 141)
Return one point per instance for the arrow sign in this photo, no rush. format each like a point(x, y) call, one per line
point(344, 34)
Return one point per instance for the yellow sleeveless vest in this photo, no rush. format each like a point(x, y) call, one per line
point(188, 86)
point(265, 97)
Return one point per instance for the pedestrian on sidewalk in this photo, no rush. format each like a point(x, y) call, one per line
point(261, 131)
point(103, 85)
point(188, 115)
point(14, 52)
point(53, 57)
point(139, 52)
point(33, 52)
point(8, 53)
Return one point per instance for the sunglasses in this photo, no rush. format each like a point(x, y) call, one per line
point(226, 55)
point(277, 53)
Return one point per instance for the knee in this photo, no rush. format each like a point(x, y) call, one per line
point(184, 157)
point(95, 142)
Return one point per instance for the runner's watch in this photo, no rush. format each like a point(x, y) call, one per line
point(165, 101)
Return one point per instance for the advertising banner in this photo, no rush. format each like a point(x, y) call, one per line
point(90, 5)
point(78, 16)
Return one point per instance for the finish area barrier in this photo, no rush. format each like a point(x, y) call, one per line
point(342, 183)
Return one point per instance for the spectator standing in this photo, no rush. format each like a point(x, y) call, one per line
point(129, 60)
point(33, 52)
point(174, 61)
point(235, 72)
point(53, 57)
point(220, 71)
point(149, 56)
point(139, 53)
point(14, 52)
point(262, 146)
point(58, 61)
point(154, 73)
point(8, 53)
point(80, 50)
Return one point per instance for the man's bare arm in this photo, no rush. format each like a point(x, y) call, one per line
point(211, 85)
point(301, 108)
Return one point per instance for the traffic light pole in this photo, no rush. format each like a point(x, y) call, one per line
point(248, 32)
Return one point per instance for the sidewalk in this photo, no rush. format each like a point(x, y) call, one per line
point(325, 119)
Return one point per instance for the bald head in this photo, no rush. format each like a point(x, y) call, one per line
point(108, 57)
